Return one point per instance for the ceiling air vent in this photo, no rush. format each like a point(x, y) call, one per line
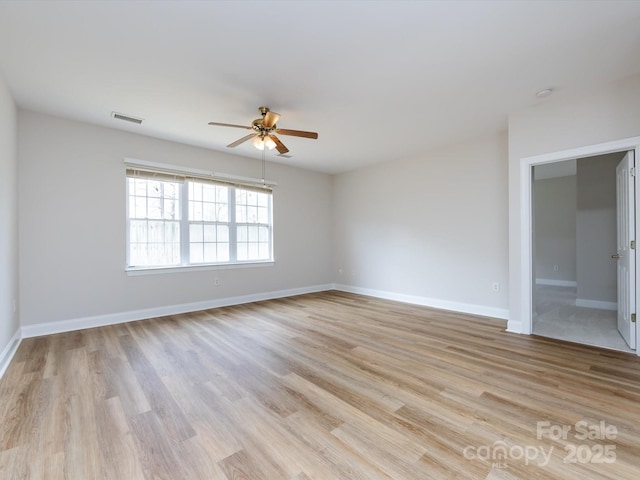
point(126, 118)
point(283, 155)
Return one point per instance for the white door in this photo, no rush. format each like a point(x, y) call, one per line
point(626, 256)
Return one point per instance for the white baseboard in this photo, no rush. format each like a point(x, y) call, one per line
point(49, 328)
point(556, 283)
point(473, 309)
point(9, 351)
point(514, 326)
point(599, 304)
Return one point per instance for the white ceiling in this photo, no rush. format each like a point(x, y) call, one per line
point(377, 80)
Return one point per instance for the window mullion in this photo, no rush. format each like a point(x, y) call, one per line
point(270, 226)
point(233, 231)
point(184, 223)
point(128, 228)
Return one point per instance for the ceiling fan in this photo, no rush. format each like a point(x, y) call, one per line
point(264, 130)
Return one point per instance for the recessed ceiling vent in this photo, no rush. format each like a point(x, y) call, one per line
point(284, 155)
point(126, 118)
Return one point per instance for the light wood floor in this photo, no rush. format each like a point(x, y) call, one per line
point(322, 386)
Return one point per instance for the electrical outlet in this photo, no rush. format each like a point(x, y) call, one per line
point(556, 268)
point(495, 286)
point(216, 281)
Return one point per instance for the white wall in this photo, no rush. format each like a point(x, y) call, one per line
point(431, 230)
point(554, 201)
point(72, 224)
point(563, 121)
point(9, 320)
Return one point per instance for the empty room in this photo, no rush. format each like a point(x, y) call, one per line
point(364, 240)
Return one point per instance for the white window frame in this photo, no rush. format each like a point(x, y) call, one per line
point(184, 175)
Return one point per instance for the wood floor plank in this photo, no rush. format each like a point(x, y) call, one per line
point(322, 386)
point(242, 466)
point(161, 401)
point(116, 441)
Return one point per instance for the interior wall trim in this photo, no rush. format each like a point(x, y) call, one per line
point(481, 310)
point(48, 328)
point(556, 283)
point(9, 351)
point(599, 304)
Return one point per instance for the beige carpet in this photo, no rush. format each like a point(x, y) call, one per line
point(558, 317)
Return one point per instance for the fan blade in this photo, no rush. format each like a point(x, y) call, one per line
point(229, 125)
point(279, 145)
point(297, 133)
point(270, 119)
point(242, 140)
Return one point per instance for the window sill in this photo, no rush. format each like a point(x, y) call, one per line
point(136, 271)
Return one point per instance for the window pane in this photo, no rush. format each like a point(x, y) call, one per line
point(172, 232)
point(208, 193)
point(171, 190)
point(263, 251)
point(242, 234)
point(210, 252)
point(154, 208)
point(222, 195)
point(223, 233)
point(223, 252)
point(222, 212)
point(253, 251)
point(263, 215)
point(138, 231)
point(139, 187)
point(253, 234)
point(209, 212)
point(170, 209)
point(135, 254)
point(196, 233)
point(242, 251)
point(174, 252)
point(241, 214)
point(209, 233)
point(263, 234)
point(132, 207)
point(252, 214)
point(154, 189)
point(195, 253)
point(196, 214)
point(195, 193)
point(156, 232)
point(141, 207)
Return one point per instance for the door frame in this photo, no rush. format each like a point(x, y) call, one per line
point(526, 212)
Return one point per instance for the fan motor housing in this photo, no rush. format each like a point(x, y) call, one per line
point(260, 128)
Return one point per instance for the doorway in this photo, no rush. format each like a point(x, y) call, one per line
point(575, 252)
point(521, 318)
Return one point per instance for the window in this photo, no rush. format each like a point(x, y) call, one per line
point(154, 222)
point(208, 223)
point(175, 220)
point(252, 225)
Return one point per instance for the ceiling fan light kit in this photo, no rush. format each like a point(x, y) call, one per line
point(265, 129)
point(261, 143)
